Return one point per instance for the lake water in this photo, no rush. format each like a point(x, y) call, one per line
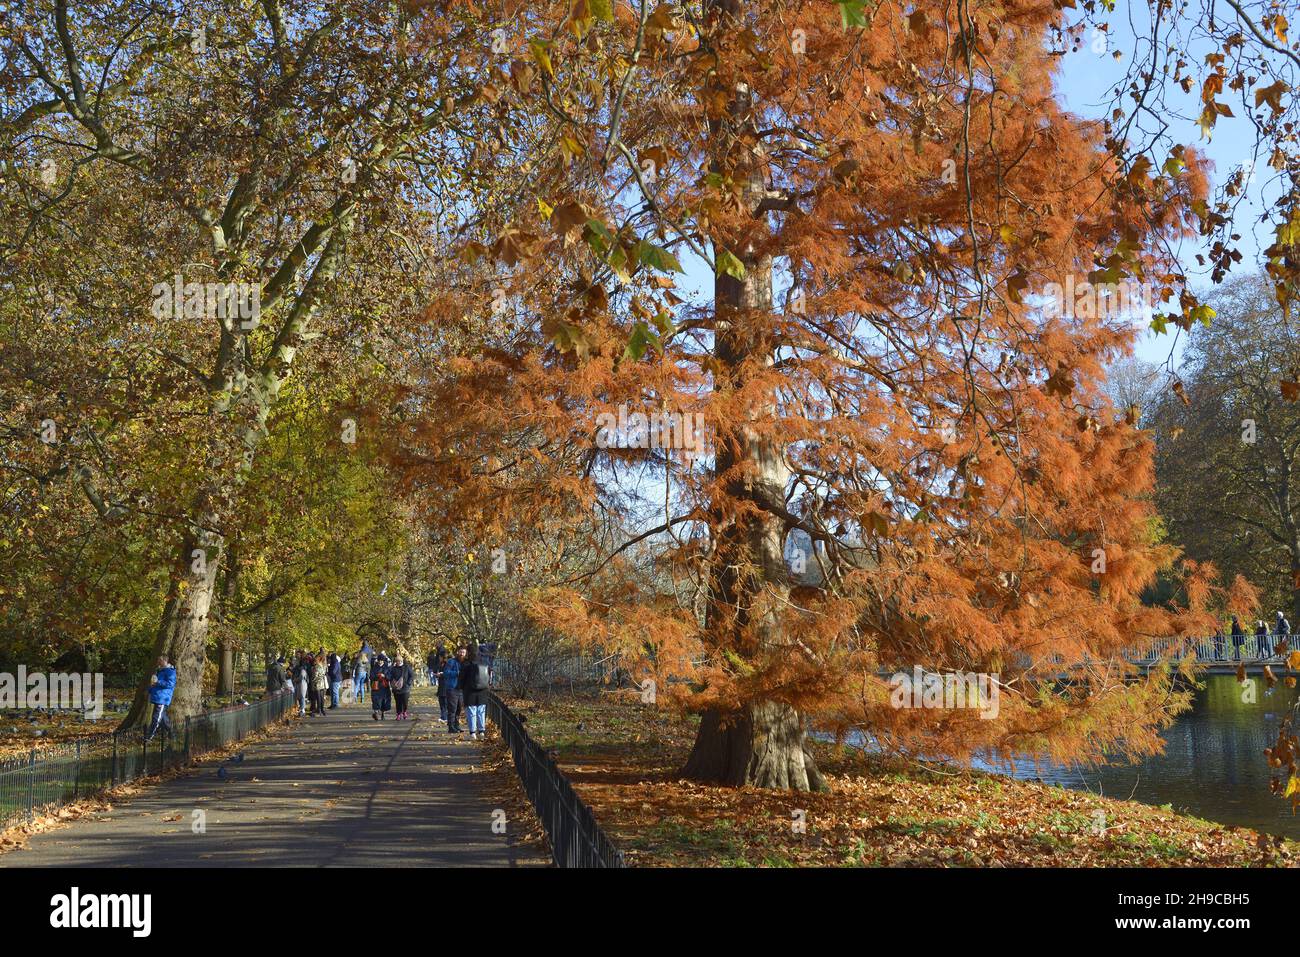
point(1213, 765)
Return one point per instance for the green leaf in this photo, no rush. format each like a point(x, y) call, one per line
point(853, 13)
point(656, 257)
point(598, 237)
point(642, 336)
point(601, 9)
point(618, 262)
point(664, 323)
point(729, 264)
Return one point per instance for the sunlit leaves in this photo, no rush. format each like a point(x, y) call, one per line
point(729, 265)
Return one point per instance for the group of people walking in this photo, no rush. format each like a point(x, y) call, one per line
point(1266, 642)
point(310, 677)
point(462, 678)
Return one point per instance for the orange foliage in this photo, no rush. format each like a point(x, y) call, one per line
point(941, 437)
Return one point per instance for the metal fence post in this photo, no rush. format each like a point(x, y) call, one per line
point(31, 786)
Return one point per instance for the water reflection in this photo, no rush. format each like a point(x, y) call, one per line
point(1213, 765)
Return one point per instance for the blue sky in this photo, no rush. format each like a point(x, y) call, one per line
point(1083, 86)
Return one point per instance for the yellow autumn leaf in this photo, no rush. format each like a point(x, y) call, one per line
point(542, 56)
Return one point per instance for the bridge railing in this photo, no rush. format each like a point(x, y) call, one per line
point(63, 773)
point(1207, 649)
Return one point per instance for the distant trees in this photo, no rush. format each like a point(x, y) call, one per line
point(1228, 459)
point(289, 150)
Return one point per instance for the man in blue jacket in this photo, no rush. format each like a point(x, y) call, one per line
point(336, 678)
point(160, 696)
point(450, 679)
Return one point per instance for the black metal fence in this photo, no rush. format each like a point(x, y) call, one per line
point(576, 839)
point(78, 769)
point(544, 671)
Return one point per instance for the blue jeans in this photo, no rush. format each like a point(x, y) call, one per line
point(359, 685)
point(477, 717)
point(334, 694)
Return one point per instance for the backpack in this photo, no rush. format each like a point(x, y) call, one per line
point(399, 682)
point(479, 677)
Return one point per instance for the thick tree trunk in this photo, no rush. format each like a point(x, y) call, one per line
point(183, 632)
point(763, 743)
point(226, 644)
point(226, 666)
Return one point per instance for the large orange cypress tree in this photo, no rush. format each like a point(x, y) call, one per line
point(908, 461)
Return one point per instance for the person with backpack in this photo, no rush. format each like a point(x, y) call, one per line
point(381, 698)
point(275, 677)
point(474, 682)
point(160, 696)
point(451, 681)
point(400, 678)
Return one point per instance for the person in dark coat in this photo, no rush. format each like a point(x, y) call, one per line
point(442, 686)
point(474, 680)
point(400, 678)
point(451, 681)
point(275, 676)
point(1238, 637)
point(1262, 647)
point(335, 672)
point(1218, 643)
point(381, 698)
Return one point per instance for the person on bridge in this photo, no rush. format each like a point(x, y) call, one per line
point(380, 694)
point(335, 671)
point(1282, 627)
point(474, 682)
point(1262, 647)
point(451, 681)
point(1238, 637)
point(160, 696)
point(400, 677)
point(1218, 643)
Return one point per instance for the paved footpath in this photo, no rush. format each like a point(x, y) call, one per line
point(342, 790)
